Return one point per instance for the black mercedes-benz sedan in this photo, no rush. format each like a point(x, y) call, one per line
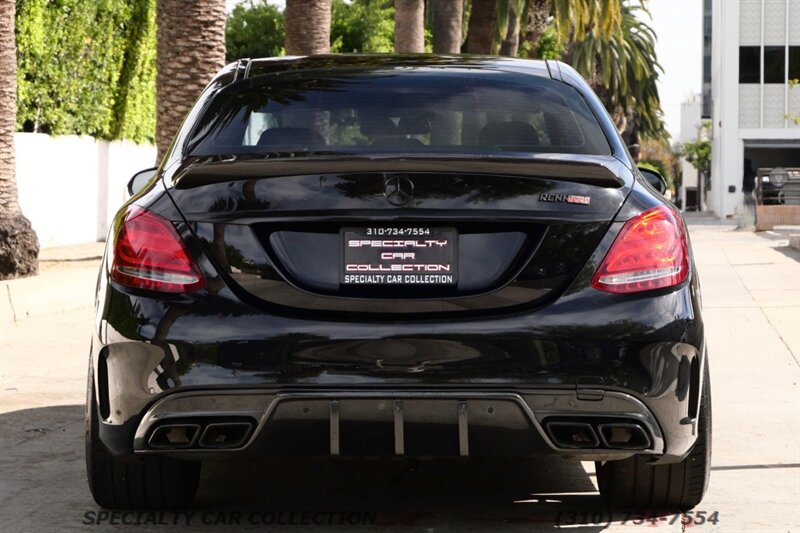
point(409, 256)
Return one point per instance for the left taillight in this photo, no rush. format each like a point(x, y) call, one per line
point(149, 254)
point(649, 253)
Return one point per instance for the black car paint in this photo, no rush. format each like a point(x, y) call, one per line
point(550, 241)
point(149, 346)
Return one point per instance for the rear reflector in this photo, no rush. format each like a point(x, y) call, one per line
point(149, 254)
point(649, 253)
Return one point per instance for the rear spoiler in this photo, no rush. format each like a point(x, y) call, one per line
point(604, 171)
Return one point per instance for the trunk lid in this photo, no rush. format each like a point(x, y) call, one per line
point(278, 231)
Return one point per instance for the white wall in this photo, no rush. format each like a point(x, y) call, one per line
point(71, 186)
point(727, 151)
point(691, 122)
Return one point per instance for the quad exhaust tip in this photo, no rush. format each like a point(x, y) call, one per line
point(573, 434)
point(196, 435)
point(625, 436)
point(602, 434)
point(174, 436)
point(222, 435)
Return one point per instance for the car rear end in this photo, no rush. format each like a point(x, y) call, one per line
point(396, 257)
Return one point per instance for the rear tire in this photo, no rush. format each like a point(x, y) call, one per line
point(154, 482)
point(634, 483)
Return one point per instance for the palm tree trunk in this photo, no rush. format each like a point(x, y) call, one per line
point(447, 20)
point(481, 27)
point(190, 50)
point(535, 26)
point(308, 27)
point(19, 247)
point(510, 44)
point(409, 26)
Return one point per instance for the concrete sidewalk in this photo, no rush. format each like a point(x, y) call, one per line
point(751, 295)
point(66, 281)
point(45, 328)
point(742, 271)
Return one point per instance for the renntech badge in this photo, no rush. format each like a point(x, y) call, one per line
point(564, 198)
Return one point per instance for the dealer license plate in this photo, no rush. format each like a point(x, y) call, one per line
point(401, 255)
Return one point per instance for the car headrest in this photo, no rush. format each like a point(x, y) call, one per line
point(562, 131)
point(377, 125)
point(508, 134)
point(417, 124)
point(291, 137)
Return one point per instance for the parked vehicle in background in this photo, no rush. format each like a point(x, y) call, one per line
point(778, 186)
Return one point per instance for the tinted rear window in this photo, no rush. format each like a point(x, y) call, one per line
point(406, 111)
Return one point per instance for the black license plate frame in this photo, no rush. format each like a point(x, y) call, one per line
point(409, 256)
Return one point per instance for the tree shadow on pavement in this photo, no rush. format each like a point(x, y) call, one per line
point(788, 251)
point(44, 486)
point(477, 494)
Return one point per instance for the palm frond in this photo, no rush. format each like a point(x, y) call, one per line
point(623, 63)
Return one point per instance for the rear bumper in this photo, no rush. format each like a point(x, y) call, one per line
point(374, 423)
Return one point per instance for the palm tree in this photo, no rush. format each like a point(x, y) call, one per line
point(482, 18)
point(308, 27)
point(190, 50)
point(601, 17)
point(447, 21)
point(534, 18)
point(577, 17)
point(509, 13)
point(19, 247)
point(623, 71)
point(409, 26)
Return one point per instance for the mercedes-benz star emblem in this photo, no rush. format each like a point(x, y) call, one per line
point(398, 190)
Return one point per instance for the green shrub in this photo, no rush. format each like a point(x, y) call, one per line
point(86, 68)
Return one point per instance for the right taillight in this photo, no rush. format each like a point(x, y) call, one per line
point(649, 253)
point(149, 254)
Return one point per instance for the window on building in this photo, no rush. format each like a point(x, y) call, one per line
point(774, 64)
point(794, 62)
point(749, 64)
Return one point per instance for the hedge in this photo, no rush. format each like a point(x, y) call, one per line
point(87, 68)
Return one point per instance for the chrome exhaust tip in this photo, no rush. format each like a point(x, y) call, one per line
point(624, 436)
point(572, 434)
point(223, 435)
point(174, 436)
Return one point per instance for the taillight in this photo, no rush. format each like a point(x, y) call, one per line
point(649, 253)
point(149, 254)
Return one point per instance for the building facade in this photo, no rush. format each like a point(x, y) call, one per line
point(755, 52)
point(691, 125)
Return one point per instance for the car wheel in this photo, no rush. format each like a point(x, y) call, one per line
point(154, 482)
point(634, 483)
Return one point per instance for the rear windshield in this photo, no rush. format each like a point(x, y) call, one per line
point(409, 111)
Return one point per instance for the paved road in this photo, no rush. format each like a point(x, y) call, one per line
point(751, 290)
